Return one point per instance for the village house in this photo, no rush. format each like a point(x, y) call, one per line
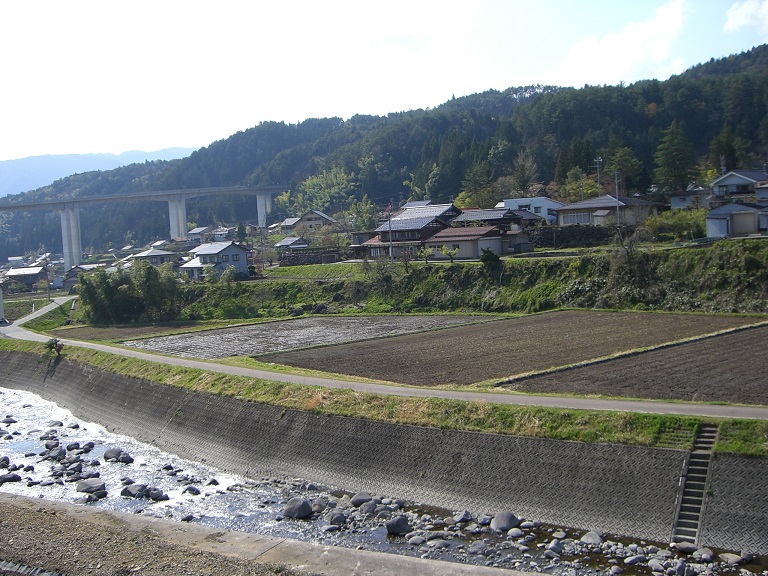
point(693, 197)
point(312, 220)
point(219, 255)
point(155, 256)
point(469, 241)
point(31, 277)
point(197, 235)
point(740, 184)
point(539, 205)
point(606, 210)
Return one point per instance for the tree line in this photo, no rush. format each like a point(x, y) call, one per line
point(649, 138)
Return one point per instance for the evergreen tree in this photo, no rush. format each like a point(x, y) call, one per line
point(675, 161)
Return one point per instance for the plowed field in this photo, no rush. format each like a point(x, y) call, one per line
point(728, 368)
point(497, 350)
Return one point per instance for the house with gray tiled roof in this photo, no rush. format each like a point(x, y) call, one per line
point(606, 210)
point(219, 255)
point(541, 206)
point(739, 183)
point(401, 235)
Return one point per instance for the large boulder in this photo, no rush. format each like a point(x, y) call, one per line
point(135, 491)
point(360, 498)
point(91, 485)
point(398, 526)
point(504, 521)
point(297, 507)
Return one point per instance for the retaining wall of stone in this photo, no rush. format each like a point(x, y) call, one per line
point(621, 490)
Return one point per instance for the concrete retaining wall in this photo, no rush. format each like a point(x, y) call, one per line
point(621, 490)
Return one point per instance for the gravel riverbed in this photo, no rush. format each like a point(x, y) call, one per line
point(46, 453)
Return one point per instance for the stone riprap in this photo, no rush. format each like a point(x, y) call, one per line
point(623, 490)
point(280, 336)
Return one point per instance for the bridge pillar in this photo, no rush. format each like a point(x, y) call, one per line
point(177, 214)
point(70, 236)
point(263, 207)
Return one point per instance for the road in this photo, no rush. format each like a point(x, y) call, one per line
point(17, 331)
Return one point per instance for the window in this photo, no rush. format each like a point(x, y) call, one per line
point(235, 257)
point(525, 207)
point(537, 209)
point(203, 259)
point(575, 218)
point(153, 259)
point(225, 257)
point(455, 247)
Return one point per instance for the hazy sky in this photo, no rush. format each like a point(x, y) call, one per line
point(109, 76)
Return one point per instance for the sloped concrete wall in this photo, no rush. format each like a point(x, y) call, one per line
point(621, 490)
point(736, 510)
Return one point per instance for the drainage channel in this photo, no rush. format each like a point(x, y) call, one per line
point(688, 521)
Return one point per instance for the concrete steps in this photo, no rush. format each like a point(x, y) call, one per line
point(693, 486)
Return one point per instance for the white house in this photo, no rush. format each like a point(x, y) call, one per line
point(739, 183)
point(539, 205)
point(693, 197)
point(220, 255)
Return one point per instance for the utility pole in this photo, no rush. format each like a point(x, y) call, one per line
point(598, 162)
point(616, 182)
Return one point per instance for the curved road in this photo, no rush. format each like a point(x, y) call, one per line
point(685, 409)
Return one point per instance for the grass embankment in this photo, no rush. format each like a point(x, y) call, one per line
point(661, 431)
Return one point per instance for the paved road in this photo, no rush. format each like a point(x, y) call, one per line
point(17, 331)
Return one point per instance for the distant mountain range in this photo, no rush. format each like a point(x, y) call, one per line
point(35, 171)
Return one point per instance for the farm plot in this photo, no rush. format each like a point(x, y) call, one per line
point(726, 368)
point(291, 334)
point(496, 350)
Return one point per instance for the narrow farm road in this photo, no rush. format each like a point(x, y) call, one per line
point(17, 331)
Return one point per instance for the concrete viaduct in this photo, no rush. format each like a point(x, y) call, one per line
point(69, 211)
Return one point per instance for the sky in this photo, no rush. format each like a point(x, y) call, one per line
point(95, 76)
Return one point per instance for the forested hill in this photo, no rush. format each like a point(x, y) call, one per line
point(475, 150)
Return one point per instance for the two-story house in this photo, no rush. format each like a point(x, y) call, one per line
point(219, 255)
point(539, 205)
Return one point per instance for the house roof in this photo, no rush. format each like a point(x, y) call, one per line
point(433, 210)
point(153, 252)
point(198, 230)
point(415, 204)
point(399, 224)
point(216, 247)
point(28, 271)
point(194, 263)
point(605, 201)
point(751, 175)
point(291, 221)
point(526, 215)
point(291, 241)
point(484, 214)
point(733, 208)
point(322, 215)
point(471, 233)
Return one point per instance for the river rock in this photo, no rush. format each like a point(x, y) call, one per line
point(319, 504)
point(194, 490)
point(686, 547)
point(636, 559)
point(51, 444)
point(336, 517)
point(360, 498)
point(398, 526)
point(134, 491)
point(91, 485)
point(9, 420)
point(504, 521)
point(704, 555)
point(297, 507)
point(555, 546)
point(593, 538)
point(5, 462)
point(9, 478)
point(463, 516)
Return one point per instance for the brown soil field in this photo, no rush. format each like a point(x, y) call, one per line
point(504, 348)
point(120, 332)
point(726, 368)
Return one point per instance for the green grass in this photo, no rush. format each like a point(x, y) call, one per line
point(315, 271)
point(20, 307)
point(660, 431)
point(50, 320)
